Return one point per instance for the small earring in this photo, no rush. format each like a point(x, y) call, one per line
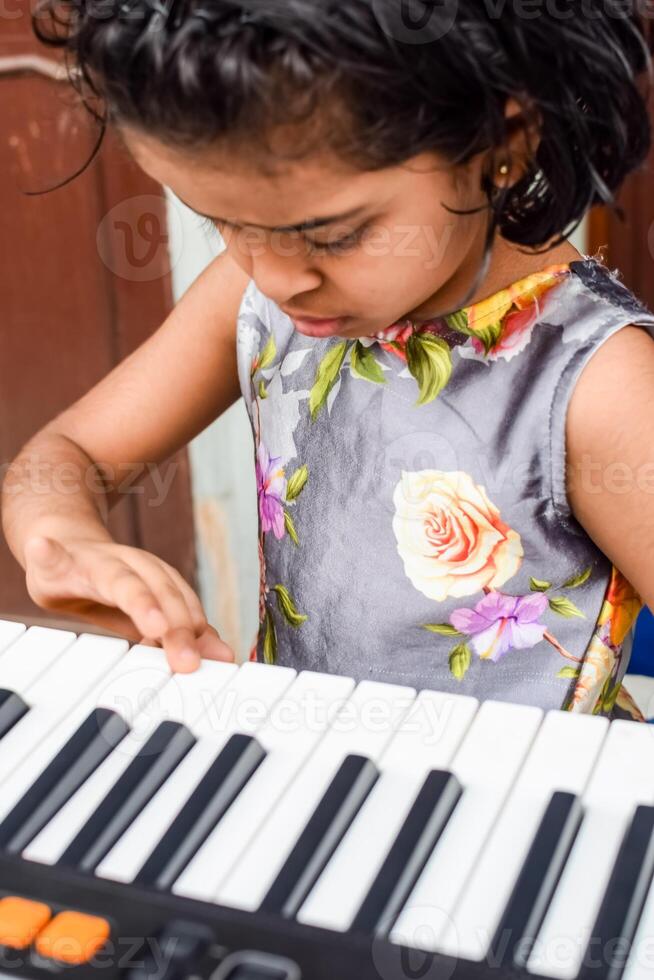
point(504, 169)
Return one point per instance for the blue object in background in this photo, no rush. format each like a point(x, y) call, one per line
point(642, 655)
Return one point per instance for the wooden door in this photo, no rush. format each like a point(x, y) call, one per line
point(84, 279)
point(629, 244)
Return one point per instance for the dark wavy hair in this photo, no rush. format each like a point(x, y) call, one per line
point(378, 81)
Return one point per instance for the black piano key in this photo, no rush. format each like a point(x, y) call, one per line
point(208, 803)
point(617, 921)
point(156, 760)
point(409, 854)
point(12, 709)
point(96, 737)
point(321, 836)
point(540, 874)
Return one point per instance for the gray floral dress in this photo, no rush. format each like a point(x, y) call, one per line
point(414, 525)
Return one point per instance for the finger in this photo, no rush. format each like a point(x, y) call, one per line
point(213, 648)
point(196, 609)
point(181, 646)
point(120, 586)
point(146, 563)
point(167, 593)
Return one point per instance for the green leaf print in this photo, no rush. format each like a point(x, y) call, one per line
point(443, 629)
point(364, 364)
point(608, 696)
point(290, 527)
point(262, 390)
point(565, 607)
point(287, 607)
point(429, 359)
point(268, 354)
point(296, 483)
point(536, 585)
point(574, 583)
point(488, 335)
point(609, 701)
point(459, 321)
point(570, 672)
point(460, 660)
point(326, 377)
point(270, 640)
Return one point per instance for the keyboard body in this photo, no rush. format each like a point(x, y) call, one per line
point(268, 948)
point(252, 823)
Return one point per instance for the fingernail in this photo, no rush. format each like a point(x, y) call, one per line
point(190, 657)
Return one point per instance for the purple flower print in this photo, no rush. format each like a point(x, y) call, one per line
point(271, 488)
point(499, 623)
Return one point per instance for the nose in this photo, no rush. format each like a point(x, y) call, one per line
point(282, 269)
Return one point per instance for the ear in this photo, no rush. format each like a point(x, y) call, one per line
point(523, 133)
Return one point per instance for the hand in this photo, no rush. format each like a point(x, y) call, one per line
point(126, 591)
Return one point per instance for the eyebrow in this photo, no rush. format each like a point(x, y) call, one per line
point(303, 226)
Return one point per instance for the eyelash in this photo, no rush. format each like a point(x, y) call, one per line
point(334, 248)
point(343, 245)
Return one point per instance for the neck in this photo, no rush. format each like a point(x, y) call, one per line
point(507, 265)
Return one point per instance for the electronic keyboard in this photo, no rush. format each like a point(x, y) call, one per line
point(253, 823)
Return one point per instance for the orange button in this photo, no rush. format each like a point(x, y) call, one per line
point(72, 937)
point(20, 920)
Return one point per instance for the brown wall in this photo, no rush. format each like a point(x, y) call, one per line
point(84, 278)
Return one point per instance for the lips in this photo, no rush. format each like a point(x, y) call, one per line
point(318, 326)
point(308, 318)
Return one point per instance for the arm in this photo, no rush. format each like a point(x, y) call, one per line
point(610, 447)
point(150, 405)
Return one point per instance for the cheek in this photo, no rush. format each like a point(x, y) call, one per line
point(428, 248)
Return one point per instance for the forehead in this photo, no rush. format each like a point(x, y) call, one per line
point(229, 184)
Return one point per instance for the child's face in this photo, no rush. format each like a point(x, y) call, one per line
point(398, 254)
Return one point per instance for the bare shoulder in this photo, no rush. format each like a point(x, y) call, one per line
point(612, 391)
point(223, 279)
point(610, 453)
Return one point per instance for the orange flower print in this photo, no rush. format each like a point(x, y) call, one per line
point(594, 689)
point(500, 327)
point(597, 666)
point(620, 608)
point(450, 536)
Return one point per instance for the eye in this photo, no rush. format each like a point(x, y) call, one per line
point(340, 246)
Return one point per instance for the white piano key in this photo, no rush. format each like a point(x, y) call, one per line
point(55, 693)
point(561, 758)
point(363, 726)
point(296, 724)
point(623, 778)
point(9, 632)
point(486, 765)
point(640, 964)
point(183, 698)
point(426, 739)
point(95, 672)
point(241, 706)
point(29, 656)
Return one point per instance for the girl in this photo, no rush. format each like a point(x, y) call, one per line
point(452, 408)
